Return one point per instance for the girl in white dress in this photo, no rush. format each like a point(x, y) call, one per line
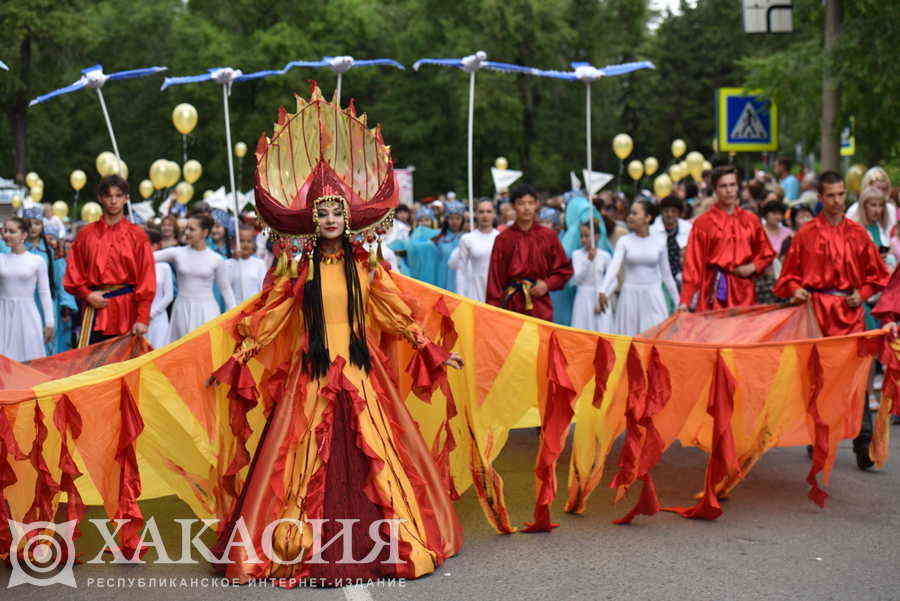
point(196, 266)
point(589, 265)
point(645, 260)
point(22, 336)
point(472, 258)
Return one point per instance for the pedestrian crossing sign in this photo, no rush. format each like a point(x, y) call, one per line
point(746, 121)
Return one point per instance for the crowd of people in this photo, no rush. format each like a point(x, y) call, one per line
point(609, 264)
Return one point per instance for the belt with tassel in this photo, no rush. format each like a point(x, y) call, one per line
point(524, 286)
point(87, 320)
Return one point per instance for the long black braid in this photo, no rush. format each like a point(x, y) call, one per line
point(316, 359)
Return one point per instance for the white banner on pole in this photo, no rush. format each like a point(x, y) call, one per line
point(596, 180)
point(404, 179)
point(574, 182)
point(503, 178)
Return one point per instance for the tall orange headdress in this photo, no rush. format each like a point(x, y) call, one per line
point(324, 152)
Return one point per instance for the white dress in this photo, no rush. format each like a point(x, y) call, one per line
point(246, 277)
point(195, 271)
point(158, 330)
point(472, 260)
point(588, 277)
point(642, 303)
point(21, 332)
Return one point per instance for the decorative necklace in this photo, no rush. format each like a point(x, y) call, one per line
point(330, 259)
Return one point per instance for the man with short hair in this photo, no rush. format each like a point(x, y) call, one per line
point(834, 265)
point(527, 262)
point(111, 270)
point(790, 185)
point(727, 246)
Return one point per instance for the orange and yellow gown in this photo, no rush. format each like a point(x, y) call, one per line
point(345, 447)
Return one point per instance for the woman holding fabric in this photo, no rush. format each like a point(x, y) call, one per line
point(339, 443)
point(645, 259)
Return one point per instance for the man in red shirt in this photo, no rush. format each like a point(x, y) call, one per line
point(726, 248)
point(527, 262)
point(111, 270)
point(834, 265)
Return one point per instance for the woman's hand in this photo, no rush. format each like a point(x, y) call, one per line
point(455, 361)
point(48, 334)
point(602, 303)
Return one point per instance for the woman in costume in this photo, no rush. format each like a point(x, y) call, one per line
point(645, 259)
point(22, 273)
point(447, 241)
point(422, 256)
point(196, 267)
point(589, 266)
point(339, 443)
point(472, 258)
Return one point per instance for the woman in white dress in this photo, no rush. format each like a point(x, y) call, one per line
point(158, 331)
point(196, 267)
point(472, 258)
point(589, 265)
point(247, 271)
point(645, 260)
point(22, 337)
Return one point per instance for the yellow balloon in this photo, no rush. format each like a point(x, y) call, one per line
point(77, 179)
point(662, 185)
point(675, 172)
point(207, 194)
point(501, 163)
point(694, 159)
point(635, 169)
point(146, 189)
point(650, 165)
point(678, 147)
point(31, 179)
point(184, 192)
point(184, 117)
point(107, 163)
point(192, 171)
point(60, 209)
point(173, 172)
point(707, 166)
point(854, 177)
point(91, 212)
point(122, 169)
point(240, 149)
point(16, 201)
point(622, 145)
point(158, 176)
point(36, 194)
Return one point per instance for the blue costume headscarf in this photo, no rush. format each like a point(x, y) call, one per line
point(447, 242)
point(422, 254)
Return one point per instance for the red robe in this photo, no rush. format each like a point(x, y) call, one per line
point(888, 306)
point(719, 243)
point(531, 255)
point(825, 258)
point(104, 255)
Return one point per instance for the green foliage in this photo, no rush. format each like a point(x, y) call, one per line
point(537, 124)
point(863, 64)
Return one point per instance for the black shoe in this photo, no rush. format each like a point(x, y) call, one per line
point(863, 461)
point(809, 451)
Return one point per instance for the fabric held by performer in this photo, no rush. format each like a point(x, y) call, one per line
point(527, 262)
point(726, 249)
point(112, 256)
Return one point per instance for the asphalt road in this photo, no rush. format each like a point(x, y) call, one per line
point(772, 543)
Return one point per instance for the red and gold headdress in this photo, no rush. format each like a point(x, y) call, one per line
point(323, 152)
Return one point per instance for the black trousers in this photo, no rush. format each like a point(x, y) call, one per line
point(864, 437)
